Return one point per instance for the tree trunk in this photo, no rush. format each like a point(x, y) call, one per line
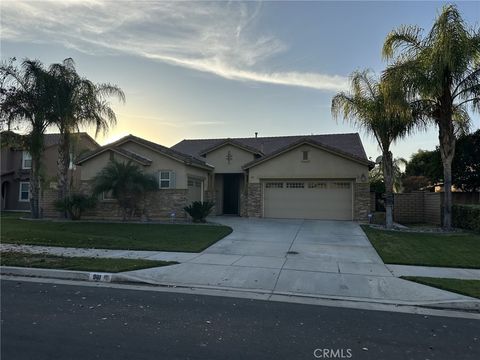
point(447, 151)
point(63, 164)
point(35, 186)
point(387, 161)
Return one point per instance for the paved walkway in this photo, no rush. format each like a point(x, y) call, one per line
point(294, 257)
point(437, 272)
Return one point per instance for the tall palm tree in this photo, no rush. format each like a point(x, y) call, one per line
point(381, 114)
point(78, 103)
point(441, 76)
point(127, 184)
point(26, 94)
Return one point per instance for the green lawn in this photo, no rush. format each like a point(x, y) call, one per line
point(464, 287)
point(155, 237)
point(429, 249)
point(76, 263)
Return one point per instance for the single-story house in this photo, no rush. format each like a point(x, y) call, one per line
point(306, 177)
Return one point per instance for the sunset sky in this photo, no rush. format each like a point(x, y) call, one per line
point(219, 69)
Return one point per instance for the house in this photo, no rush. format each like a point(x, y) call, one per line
point(306, 177)
point(16, 164)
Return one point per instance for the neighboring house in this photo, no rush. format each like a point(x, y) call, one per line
point(16, 164)
point(305, 177)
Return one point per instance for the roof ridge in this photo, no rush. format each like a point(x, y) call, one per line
point(270, 137)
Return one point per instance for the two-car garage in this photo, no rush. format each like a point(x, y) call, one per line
point(308, 199)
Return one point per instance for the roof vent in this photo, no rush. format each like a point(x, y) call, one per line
point(256, 135)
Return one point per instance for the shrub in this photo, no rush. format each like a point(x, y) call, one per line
point(199, 210)
point(466, 217)
point(74, 205)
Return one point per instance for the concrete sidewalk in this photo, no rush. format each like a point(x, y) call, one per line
point(435, 272)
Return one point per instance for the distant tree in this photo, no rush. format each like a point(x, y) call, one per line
point(376, 175)
point(466, 164)
point(440, 73)
point(127, 183)
point(412, 183)
point(426, 164)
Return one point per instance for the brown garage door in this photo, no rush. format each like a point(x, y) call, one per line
point(308, 199)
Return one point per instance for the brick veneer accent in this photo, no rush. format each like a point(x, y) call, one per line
point(158, 205)
point(254, 200)
point(46, 203)
point(361, 201)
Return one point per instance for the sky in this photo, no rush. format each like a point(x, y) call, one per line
point(194, 70)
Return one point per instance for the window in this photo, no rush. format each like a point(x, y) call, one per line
point(340, 185)
point(71, 165)
point(24, 194)
point(107, 196)
point(167, 179)
point(274, 185)
point(304, 155)
point(317, 185)
point(26, 160)
point(295, 185)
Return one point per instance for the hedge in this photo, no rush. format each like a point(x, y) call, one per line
point(466, 217)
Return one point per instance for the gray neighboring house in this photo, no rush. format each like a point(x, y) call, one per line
point(16, 164)
point(303, 177)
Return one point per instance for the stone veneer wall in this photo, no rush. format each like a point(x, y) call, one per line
point(46, 203)
point(254, 200)
point(160, 204)
point(361, 201)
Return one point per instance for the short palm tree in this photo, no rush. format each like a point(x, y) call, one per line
point(26, 94)
point(381, 114)
point(78, 102)
point(376, 174)
point(441, 76)
point(127, 183)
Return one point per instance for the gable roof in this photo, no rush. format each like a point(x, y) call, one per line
point(341, 143)
point(128, 154)
point(172, 153)
point(232, 142)
point(313, 143)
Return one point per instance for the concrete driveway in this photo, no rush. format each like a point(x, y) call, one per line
point(331, 259)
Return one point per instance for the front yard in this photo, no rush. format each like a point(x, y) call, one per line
point(460, 250)
point(45, 261)
point(464, 287)
point(127, 236)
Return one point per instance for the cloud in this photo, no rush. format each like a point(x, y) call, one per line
point(218, 37)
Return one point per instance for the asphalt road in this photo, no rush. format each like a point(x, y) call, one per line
point(48, 321)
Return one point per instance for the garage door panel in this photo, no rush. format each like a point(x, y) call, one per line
point(308, 200)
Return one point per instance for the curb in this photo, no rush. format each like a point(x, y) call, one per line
point(467, 306)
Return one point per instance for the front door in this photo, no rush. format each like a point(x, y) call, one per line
point(231, 194)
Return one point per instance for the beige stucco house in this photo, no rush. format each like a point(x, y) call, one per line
point(307, 177)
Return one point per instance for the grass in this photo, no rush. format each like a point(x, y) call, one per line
point(77, 263)
point(464, 287)
point(128, 236)
point(427, 249)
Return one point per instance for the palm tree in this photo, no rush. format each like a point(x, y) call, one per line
point(78, 102)
point(380, 113)
point(376, 174)
point(441, 76)
point(26, 94)
point(127, 184)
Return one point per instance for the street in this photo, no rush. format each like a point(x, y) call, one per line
point(54, 321)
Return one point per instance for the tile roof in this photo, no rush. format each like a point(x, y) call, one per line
point(345, 143)
point(185, 158)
